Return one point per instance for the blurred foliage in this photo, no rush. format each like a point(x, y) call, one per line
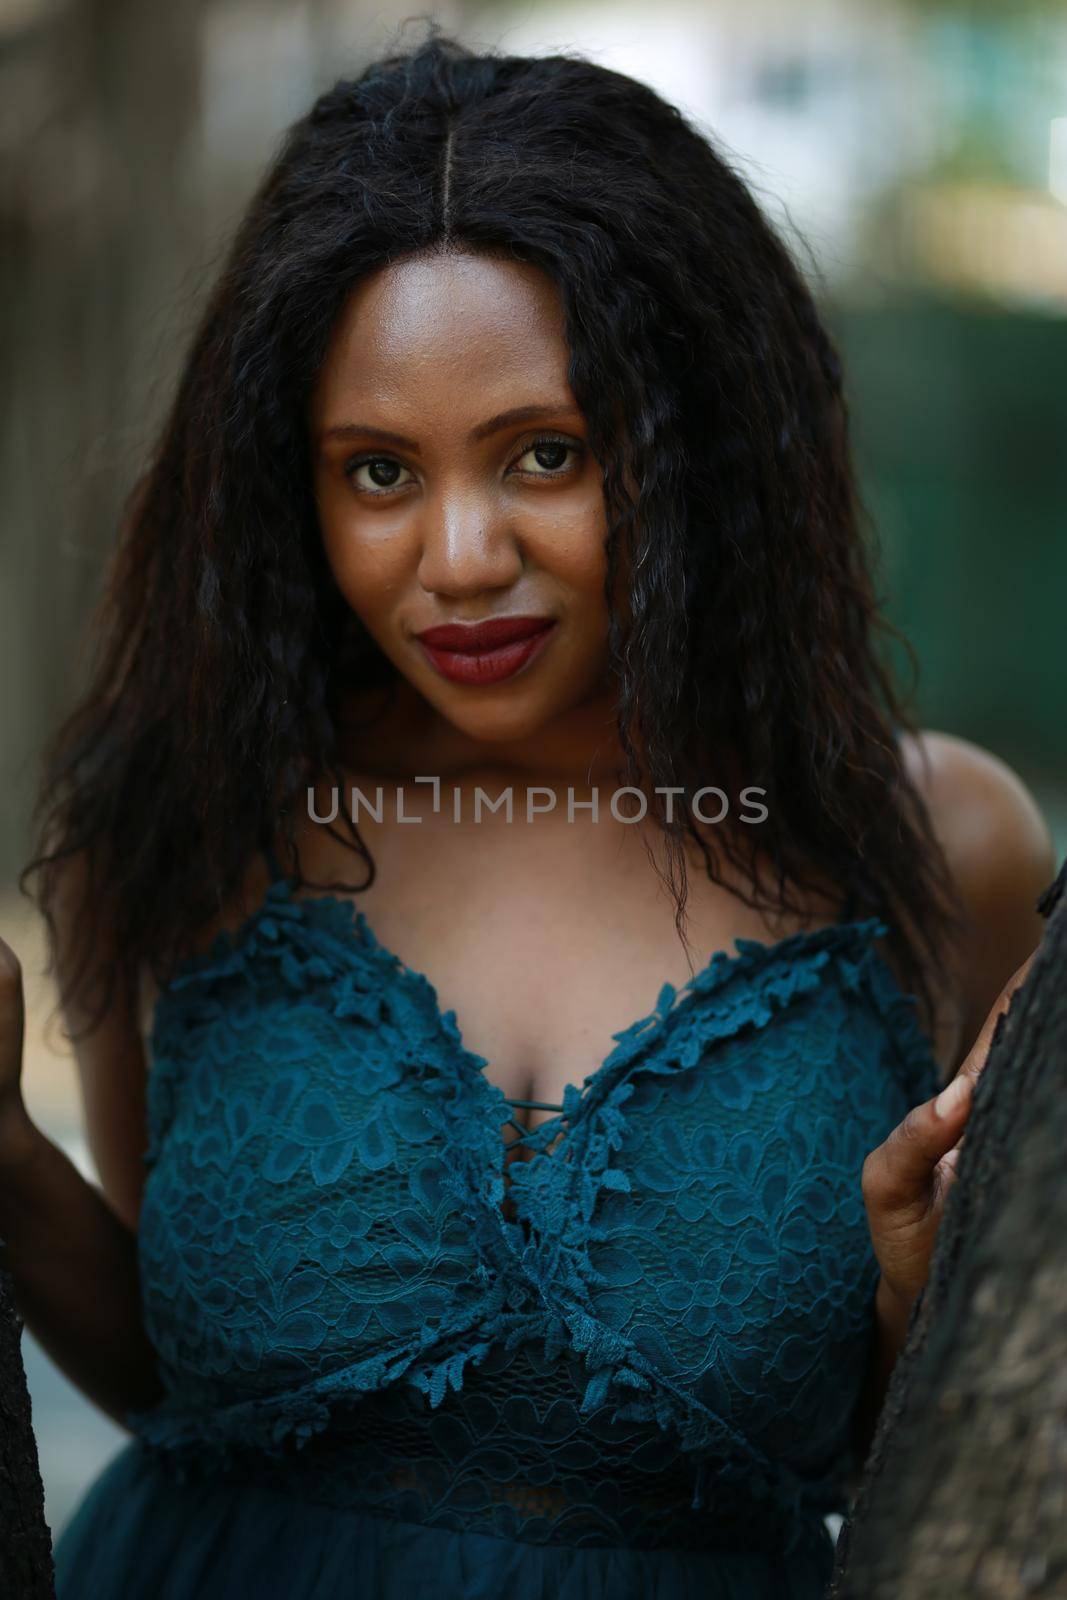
point(959, 418)
point(979, 10)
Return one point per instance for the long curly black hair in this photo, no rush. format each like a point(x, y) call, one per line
point(222, 644)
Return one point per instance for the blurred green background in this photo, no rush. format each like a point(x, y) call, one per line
point(961, 439)
point(915, 155)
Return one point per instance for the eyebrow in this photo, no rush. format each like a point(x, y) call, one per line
point(503, 419)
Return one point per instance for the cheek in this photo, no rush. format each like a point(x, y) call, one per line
point(572, 550)
point(369, 570)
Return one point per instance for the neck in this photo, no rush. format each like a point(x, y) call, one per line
point(396, 733)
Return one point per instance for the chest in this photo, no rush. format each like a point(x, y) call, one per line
point(324, 1189)
point(545, 942)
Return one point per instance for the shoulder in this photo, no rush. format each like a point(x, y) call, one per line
point(1000, 856)
point(988, 823)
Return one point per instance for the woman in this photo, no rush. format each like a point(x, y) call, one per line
point(509, 460)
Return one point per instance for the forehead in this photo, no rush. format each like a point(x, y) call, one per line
point(441, 325)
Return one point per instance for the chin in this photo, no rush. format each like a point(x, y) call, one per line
point(500, 724)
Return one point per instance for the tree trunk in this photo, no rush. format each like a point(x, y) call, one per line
point(26, 1571)
point(965, 1488)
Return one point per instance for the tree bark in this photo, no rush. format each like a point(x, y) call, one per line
point(964, 1492)
point(26, 1571)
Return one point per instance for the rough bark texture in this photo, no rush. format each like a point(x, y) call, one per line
point(26, 1571)
point(964, 1493)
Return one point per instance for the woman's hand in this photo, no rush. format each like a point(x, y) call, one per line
point(12, 1029)
point(907, 1178)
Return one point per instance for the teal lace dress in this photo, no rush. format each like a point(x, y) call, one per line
point(627, 1374)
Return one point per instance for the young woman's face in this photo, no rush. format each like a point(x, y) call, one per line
point(454, 486)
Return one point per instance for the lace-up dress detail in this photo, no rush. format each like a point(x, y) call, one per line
point(398, 1363)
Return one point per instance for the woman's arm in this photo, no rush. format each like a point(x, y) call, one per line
point(73, 1265)
point(71, 1256)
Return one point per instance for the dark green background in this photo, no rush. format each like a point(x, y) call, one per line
point(960, 428)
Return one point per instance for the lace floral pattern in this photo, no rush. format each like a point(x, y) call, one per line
point(661, 1337)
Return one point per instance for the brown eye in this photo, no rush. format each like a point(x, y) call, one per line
point(550, 456)
point(383, 473)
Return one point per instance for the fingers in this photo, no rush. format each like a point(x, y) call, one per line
point(906, 1179)
point(898, 1173)
point(950, 1159)
point(975, 1059)
point(955, 1093)
point(954, 1097)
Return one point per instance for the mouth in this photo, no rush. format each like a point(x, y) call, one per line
point(485, 652)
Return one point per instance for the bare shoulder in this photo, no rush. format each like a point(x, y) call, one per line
point(999, 852)
point(989, 824)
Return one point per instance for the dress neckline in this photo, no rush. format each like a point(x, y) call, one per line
point(340, 918)
point(317, 939)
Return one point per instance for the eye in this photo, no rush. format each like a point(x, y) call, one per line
point(383, 473)
point(550, 455)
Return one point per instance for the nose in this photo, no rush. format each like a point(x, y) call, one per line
point(468, 545)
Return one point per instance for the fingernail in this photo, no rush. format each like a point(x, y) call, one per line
point(951, 1098)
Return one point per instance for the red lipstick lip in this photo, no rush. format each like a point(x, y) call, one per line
point(472, 637)
point(479, 668)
